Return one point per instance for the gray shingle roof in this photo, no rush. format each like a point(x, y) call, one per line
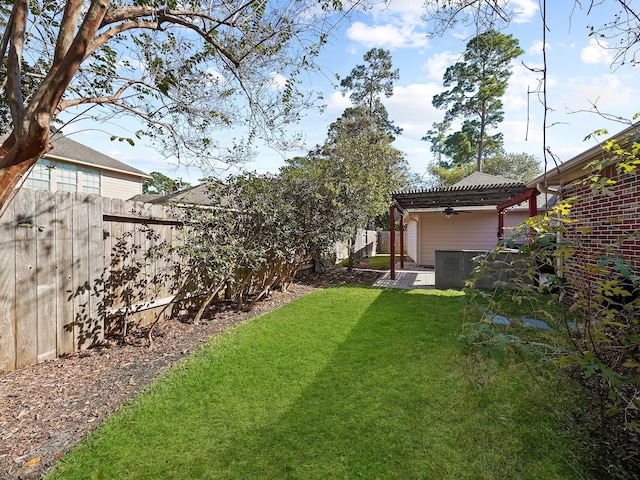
point(145, 197)
point(197, 195)
point(70, 150)
point(480, 179)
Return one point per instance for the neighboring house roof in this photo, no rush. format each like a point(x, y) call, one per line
point(145, 197)
point(197, 195)
point(69, 150)
point(574, 168)
point(480, 179)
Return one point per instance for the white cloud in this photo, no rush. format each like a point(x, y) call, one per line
point(536, 48)
point(278, 81)
point(336, 104)
point(522, 81)
point(611, 93)
point(520, 137)
point(214, 77)
point(437, 64)
point(410, 108)
point(417, 153)
point(386, 35)
point(525, 10)
point(128, 62)
point(396, 24)
point(596, 53)
point(406, 8)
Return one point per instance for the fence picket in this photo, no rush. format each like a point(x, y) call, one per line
point(58, 255)
point(116, 291)
point(64, 207)
point(26, 281)
point(81, 288)
point(46, 275)
point(95, 237)
point(7, 290)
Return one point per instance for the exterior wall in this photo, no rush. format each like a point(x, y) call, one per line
point(119, 185)
point(477, 230)
point(602, 220)
point(58, 176)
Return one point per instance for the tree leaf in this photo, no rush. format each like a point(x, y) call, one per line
point(32, 462)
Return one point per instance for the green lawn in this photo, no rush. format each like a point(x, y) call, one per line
point(345, 383)
point(380, 261)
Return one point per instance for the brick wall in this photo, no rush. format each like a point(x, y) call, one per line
point(606, 222)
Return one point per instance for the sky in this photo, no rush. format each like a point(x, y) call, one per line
point(580, 75)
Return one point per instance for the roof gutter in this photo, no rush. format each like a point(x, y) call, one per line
point(543, 188)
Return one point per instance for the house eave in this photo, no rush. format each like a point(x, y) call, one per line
point(50, 156)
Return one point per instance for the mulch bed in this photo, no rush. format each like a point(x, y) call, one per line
point(45, 409)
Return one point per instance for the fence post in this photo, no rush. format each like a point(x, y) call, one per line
point(392, 240)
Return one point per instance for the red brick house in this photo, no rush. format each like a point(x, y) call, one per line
point(605, 222)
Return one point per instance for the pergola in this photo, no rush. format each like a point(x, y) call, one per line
point(502, 195)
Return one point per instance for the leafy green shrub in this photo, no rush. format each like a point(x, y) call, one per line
point(589, 292)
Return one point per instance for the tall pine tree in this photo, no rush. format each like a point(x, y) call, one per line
point(476, 86)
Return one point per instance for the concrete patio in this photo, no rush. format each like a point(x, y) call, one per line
point(410, 277)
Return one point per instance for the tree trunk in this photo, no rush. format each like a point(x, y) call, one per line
point(16, 160)
point(351, 245)
point(207, 301)
point(30, 138)
point(483, 122)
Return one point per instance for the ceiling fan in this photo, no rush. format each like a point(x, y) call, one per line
point(449, 211)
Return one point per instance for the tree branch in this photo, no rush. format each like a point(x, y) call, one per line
point(205, 35)
point(67, 29)
point(115, 15)
point(53, 87)
point(171, 17)
point(104, 37)
point(5, 42)
point(14, 67)
point(65, 104)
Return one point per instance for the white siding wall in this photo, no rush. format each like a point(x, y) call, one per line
point(465, 231)
point(119, 185)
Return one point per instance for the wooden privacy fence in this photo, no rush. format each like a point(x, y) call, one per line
point(384, 241)
point(365, 245)
point(75, 266)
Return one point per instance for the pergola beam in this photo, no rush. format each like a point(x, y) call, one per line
point(467, 196)
point(529, 195)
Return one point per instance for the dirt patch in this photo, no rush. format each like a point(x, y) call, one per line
point(45, 409)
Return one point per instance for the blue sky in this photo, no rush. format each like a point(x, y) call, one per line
point(579, 75)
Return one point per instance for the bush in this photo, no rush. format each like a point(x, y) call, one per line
point(594, 299)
